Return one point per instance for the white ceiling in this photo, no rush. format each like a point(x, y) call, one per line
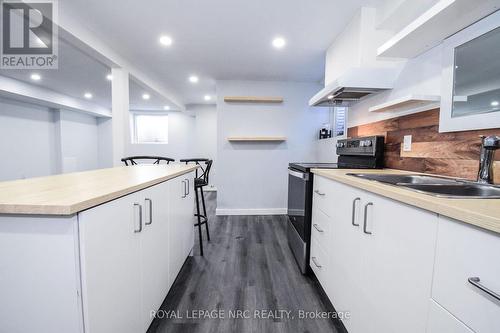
point(217, 40)
point(77, 74)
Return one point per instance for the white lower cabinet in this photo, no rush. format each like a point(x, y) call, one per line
point(155, 255)
point(110, 251)
point(181, 239)
point(381, 259)
point(128, 260)
point(465, 252)
point(441, 321)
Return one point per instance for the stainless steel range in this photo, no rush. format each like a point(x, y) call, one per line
point(359, 153)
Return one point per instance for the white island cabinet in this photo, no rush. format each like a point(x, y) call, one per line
point(103, 269)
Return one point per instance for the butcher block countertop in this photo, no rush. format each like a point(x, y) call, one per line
point(484, 213)
point(70, 193)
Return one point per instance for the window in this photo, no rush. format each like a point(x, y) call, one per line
point(340, 121)
point(151, 128)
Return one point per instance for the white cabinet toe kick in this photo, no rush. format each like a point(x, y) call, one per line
point(398, 268)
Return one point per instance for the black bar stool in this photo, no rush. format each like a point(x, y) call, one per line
point(199, 182)
point(133, 159)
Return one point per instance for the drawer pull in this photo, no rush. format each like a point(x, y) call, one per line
point(365, 230)
point(315, 262)
point(354, 212)
point(150, 211)
point(140, 217)
point(317, 228)
point(319, 193)
point(476, 282)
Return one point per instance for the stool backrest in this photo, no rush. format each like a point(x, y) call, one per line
point(132, 160)
point(205, 166)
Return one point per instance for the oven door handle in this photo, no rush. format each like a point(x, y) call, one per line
point(297, 174)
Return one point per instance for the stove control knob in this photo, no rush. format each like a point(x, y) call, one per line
point(362, 143)
point(340, 145)
point(368, 143)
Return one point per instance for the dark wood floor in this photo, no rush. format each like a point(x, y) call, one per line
point(247, 266)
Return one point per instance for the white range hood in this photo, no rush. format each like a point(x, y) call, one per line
point(355, 84)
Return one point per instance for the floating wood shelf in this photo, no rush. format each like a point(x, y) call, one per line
point(422, 102)
point(256, 138)
point(253, 99)
point(440, 21)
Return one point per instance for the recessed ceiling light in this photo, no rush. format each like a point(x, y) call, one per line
point(87, 95)
point(494, 103)
point(109, 77)
point(193, 79)
point(146, 96)
point(36, 77)
point(165, 40)
point(279, 42)
point(207, 97)
point(166, 107)
point(330, 97)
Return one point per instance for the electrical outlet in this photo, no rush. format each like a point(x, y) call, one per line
point(407, 143)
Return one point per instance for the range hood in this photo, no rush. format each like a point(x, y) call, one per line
point(355, 84)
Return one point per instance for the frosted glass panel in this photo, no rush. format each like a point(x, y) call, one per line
point(476, 81)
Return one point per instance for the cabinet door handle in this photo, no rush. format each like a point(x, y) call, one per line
point(354, 212)
point(476, 282)
point(319, 193)
point(150, 204)
point(315, 262)
point(366, 218)
point(317, 228)
point(184, 194)
point(187, 180)
point(140, 217)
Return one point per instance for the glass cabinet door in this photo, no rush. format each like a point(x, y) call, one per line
point(476, 76)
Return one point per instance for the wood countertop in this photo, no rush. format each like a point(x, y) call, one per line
point(484, 213)
point(70, 193)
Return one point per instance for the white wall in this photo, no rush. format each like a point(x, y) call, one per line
point(420, 75)
point(181, 138)
point(253, 176)
point(36, 141)
point(79, 141)
point(205, 141)
point(27, 141)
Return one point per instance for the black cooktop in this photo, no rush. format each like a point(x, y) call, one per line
point(306, 167)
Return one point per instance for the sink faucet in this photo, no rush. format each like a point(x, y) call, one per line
point(489, 144)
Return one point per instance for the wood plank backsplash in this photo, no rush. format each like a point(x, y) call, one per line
point(453, 154)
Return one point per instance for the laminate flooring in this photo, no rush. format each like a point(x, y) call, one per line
point(247, 281)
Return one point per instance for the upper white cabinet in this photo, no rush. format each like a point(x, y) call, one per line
point(440, 21)
point(471, 78)
point(378, 258)
point(355, 46)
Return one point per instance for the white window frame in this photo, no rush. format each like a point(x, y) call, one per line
point(134, 127)
point(467, 122)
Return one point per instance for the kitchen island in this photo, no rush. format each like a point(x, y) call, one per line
point(93, 251)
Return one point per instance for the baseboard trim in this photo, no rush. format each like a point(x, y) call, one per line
point(251, 211)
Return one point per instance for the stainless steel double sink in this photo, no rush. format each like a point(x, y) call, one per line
point(435, 185)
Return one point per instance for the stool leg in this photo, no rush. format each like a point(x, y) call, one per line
point(205, 212)
point(199, 221)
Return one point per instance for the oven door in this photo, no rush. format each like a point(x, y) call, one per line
point(298, 186)
point(299, 202)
